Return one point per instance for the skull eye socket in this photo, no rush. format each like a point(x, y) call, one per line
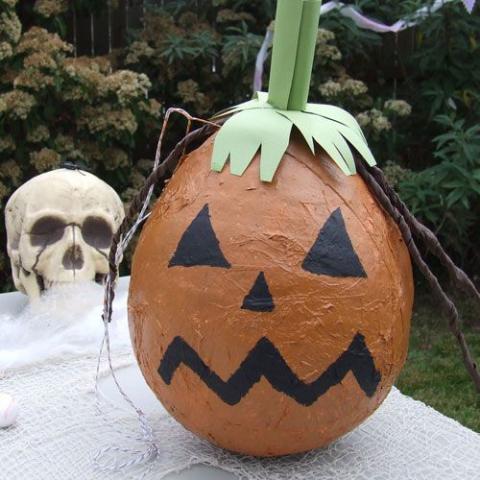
point(97, 232)
point(46, 231)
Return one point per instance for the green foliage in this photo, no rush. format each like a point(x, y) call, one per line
point(435, 67)
point(56, 108)
point(447, 44)
point(388, 11)
point(434, 372)
point(239, 47)
point(447, 195)
point(203, 57)
point(200, 55)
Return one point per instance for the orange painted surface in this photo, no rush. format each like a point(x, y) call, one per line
point(269, 228)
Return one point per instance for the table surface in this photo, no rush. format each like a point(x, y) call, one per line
point(135, 386)
point(439, 440)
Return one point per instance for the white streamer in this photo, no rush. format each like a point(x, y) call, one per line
point(261, 57)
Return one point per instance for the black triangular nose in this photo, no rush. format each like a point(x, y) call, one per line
point(259, 299)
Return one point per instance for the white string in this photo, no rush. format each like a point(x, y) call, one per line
point(150, 451)
point(137, 457)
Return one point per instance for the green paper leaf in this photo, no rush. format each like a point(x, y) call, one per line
point(303, 124)
point(336, 114)
point(335, 145)
point(360, 144)
point(244, 134)
point(260, 100)
point(259, 126)
point(331, 136)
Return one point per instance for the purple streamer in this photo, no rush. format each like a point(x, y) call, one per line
point(361, 21)
point(469, 5)
point(261, 57)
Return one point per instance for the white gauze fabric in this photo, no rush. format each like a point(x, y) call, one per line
point(59, 430)
point(65, 321)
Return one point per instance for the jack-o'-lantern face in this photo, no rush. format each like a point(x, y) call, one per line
point(270, 318)
point(332, 254)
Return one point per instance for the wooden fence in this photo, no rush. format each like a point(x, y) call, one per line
point(99, 33)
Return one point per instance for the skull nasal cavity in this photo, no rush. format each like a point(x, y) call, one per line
point(73, 258)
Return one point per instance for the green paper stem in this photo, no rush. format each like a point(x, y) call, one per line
point(264, 124)
point(294, 41)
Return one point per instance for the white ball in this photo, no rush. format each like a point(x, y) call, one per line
point(8, 410)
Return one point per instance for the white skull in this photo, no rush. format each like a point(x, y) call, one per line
point(59, 229)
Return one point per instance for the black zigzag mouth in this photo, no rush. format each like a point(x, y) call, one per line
point(265, 360)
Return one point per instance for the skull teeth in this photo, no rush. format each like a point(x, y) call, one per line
point(41, 283)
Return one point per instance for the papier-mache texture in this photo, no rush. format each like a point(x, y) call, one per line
point(270, 318)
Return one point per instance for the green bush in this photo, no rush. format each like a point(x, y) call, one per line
point(204, 58)
point(200, 58)
point(447, 194)
point(430, 155)
point(55, 108)
point(441, 142)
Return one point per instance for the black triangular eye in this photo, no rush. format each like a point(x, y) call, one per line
point(332, 253)
point(199, 245)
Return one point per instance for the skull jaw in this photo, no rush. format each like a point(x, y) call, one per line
point(44, 267)
point(29, 283)
point(33, 285)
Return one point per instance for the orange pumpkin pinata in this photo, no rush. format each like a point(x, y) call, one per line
point(270, 309)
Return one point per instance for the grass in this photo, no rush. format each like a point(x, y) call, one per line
point(434, 372)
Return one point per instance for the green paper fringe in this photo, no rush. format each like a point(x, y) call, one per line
point(256, 125)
